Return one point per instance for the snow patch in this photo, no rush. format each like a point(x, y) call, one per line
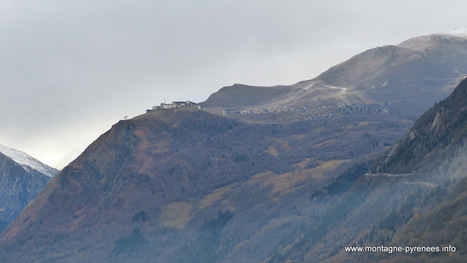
point(425, 41)
point(27, 162)
point(461, 32)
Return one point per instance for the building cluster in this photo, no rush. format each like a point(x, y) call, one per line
point(368, 108)
point(316, 113)
point(301, 109)
point(176, 104)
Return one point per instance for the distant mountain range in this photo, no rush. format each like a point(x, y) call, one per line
point(21, 179)
point(275, 175)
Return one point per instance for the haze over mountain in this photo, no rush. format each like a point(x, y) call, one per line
point(171, 178)
point(21, 179)
point(407, 79)
point(185, 185)
point(414, 196)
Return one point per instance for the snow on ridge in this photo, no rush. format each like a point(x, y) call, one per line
point(427, 39)
point(26, 161)
point(461, 32)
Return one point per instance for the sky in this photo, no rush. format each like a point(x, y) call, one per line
point(70, 69)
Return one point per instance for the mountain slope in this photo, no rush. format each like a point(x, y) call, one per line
point(153, 185)
point(21, 179)
point(414, 196)
point(245, 96)
point(407, 79)
point(184, 185)
point(435, 135)
point(28, 163)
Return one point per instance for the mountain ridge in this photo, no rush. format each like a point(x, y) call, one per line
point(181, 170)
point(427, 68)
point(185, 185)
point(27, 162)
point(21, 179)
point(420, 204)
point(408, 151)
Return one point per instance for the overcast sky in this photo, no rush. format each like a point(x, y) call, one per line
point(71, 69)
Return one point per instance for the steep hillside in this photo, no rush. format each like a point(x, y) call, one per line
point(282, 181)
point(434, 136)
point(405, 79)
point(27, 162)
point(173, 185)
point(21, 179)
point(410, 207)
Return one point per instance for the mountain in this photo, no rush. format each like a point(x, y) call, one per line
point(245, 96)
point(405, 79)
point(286, 183)
point(27, 162)
point(21, 179)
point(437, 134)
point(414, 197)
point(154, 185)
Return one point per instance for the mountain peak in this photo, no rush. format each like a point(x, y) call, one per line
point(404, 80)
point(423, 42)
point(27, 162)
point(22, 178)
point(460, 32)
